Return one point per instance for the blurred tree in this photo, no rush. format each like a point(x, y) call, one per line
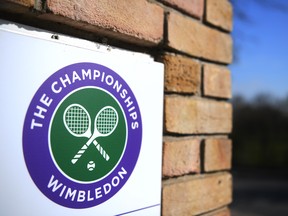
point(260, 132)
point(260, 127)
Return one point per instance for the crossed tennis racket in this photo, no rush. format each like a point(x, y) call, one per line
point(78, 122)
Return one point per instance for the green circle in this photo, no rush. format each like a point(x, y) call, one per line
point(64, 144)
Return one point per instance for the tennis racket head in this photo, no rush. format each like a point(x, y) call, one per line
point(106, 121)
point(77, 121)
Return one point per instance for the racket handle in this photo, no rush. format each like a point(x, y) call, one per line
point(79, 153)
point(83, 149)
point(101, 150)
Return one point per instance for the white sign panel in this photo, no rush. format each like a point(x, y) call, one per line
point(81, 130)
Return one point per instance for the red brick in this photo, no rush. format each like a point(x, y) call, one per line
point(192, 195)
point(217, 81)
point(181, 156)
point(196, 39)
point(219, 13)
point(191, 115)
point(127, 20)
point(217, 154)
point(219, 212)
point(182, 74)
point(192, 7)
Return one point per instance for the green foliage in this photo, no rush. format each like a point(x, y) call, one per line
point(260, 132)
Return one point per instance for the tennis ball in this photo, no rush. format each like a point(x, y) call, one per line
point(91, 165)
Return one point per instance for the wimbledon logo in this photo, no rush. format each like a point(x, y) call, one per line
point(82, 135)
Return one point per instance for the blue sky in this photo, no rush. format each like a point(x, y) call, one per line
point(261, 65)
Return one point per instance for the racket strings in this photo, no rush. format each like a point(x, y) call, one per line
point(77, 120)
point(106, 121)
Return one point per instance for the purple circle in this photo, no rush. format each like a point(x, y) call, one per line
point(50, 181)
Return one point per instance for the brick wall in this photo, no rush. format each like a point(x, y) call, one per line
point(192, 38)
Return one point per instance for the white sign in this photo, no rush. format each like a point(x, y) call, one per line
point(81, 130)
